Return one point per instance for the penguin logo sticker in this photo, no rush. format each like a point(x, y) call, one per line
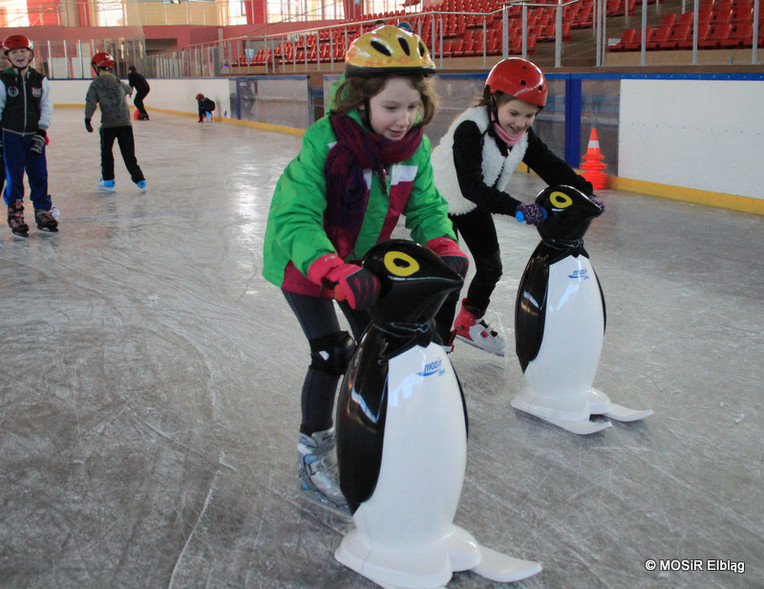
point(400, 264)
point(560, 200)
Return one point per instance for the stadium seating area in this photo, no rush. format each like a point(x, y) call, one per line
point(463, 28)
point(722, 24)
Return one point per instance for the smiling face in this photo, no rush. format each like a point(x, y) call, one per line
point(516, 116)
point(20, 58)
point(394, 110)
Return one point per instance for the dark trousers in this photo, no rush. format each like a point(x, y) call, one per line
point(19, 159)
point(138, 101)
point(318, 318)
point(124, 137)
point(478, 232)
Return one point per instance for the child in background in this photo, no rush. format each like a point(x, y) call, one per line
point(108, 92)
point(359, 169)
point(142, 88)
point(473, 164)
point(205, 105)
point(25, 112)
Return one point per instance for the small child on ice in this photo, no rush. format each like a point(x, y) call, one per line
point(473, 164)
point(25, 112)
point(110, 94)
point(359, 170)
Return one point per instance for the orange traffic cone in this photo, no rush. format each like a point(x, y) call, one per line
point(593, 163)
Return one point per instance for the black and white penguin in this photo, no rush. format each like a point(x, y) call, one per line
point(402, 436)
point(560, 321)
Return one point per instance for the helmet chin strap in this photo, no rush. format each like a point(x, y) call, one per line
point(365, 113)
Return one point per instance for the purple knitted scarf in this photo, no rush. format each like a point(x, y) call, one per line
point(347, 195)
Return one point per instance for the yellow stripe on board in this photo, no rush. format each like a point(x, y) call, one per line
point(721, 200)
point(733, 202)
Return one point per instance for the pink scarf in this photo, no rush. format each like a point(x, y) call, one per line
point(502, 134)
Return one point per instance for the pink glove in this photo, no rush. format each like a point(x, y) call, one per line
point(450, 253)
point(350, 282)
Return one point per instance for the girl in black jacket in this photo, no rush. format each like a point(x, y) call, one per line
point(472, 165)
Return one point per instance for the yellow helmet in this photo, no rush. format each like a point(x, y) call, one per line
point(388, 49)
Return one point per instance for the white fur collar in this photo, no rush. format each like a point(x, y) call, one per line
point(497, 169)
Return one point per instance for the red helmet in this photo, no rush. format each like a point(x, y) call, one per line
point(199, 96)
point(104, 60)
point(16, 42)
point(520, 79)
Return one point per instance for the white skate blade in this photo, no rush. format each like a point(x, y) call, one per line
point(504, 569)
point(582, 428)
point(386, 586)
point(621, 413)
point(479, 347)
point(315, 498)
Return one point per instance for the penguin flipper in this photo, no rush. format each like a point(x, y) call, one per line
point(530, 307)
point(361, 411)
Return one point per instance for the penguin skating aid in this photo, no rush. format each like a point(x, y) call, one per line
point(402, 436)
point(560, 321)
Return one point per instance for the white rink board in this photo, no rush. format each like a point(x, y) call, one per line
point(702, 134)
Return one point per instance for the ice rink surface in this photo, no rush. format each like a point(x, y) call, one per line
point(149, 402)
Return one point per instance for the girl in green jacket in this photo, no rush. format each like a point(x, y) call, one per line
point(359, 170)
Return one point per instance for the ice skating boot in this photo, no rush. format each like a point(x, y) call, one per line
point(16, 219)
point(470, 327)
point(46, 220)
point(317, 468)
point(106, 185)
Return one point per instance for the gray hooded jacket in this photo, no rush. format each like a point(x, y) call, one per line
point(110, 94)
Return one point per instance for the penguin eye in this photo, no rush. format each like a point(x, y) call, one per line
point(560, 200)
point(400, 264)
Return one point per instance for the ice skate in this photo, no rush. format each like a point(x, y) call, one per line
point(142, 185)
point(317, 468)
point(470, 327)
point(46, 221)
point(106, 185)
point(16, 219)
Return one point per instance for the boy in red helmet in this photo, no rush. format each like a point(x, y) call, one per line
point(472, 164)
point(108, 92)
point(25, 111)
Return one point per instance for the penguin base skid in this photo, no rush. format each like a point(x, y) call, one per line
point(572, 412)
point(431, 568)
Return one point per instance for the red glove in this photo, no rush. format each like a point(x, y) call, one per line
point(450, 253)
point(349, 281)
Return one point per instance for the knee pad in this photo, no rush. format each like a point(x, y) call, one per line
point(491, 268)
point(331, 353)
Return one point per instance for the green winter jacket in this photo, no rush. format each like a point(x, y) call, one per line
point(295, 230)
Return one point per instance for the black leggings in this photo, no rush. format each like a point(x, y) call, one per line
point(318, 318)
point(478, 232)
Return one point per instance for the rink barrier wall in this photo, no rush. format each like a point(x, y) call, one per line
point(659, 134)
